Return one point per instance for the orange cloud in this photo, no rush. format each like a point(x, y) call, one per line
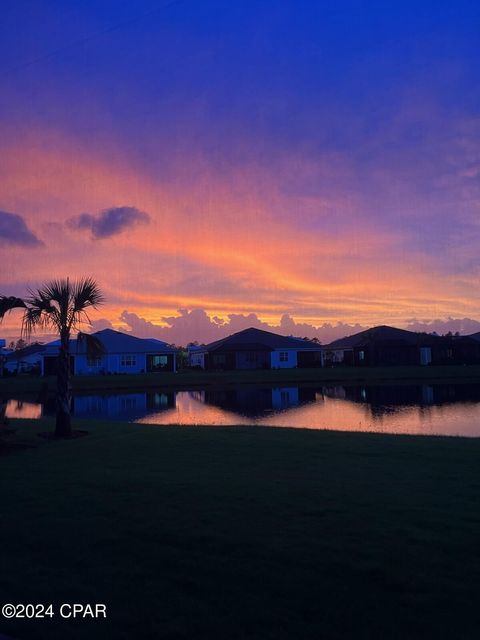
point(220, 247)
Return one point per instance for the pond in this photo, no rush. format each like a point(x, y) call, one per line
point(430, 409)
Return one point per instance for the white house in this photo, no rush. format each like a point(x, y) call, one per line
point(123, 353)
point(257, 349)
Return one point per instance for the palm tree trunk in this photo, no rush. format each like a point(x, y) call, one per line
point(63, 427)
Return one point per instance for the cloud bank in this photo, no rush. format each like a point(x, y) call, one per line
point(465, 326)
point(13, 229)
point(196, 325)
point(109, 222)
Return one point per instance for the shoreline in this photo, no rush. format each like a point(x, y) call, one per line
point(191, 380)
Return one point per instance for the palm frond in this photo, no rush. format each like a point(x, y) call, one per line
point(8, 303)
point(58, 292)
point(40, 304)
point(85, 293)
point(36, 318)
point(58, 304)
point(94, 346)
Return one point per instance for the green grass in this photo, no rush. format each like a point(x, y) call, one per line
point(196, 379)
point(243, 533)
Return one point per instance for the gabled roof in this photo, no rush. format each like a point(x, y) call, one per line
point(196, 347)
point(25, 352)
point(381, 333)
point(475, 336)
point(118, 342)
point(253, 339)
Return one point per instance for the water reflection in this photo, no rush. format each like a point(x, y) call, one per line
point(428, 409)
point(125, 406)
point(253, 402)
point(21, 409)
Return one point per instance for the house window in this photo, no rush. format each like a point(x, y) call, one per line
point(361, 355)
point(128, 360)
point(159, 362)
point(283, 356)
point(94, 361)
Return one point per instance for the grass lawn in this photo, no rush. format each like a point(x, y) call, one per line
point(191, 379)
point(243, 533)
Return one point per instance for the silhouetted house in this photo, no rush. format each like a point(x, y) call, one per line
point(123, 353)
point(257, 349)
point(381, 346)
point(388, 346)
point(26, 360)
point(457, 349)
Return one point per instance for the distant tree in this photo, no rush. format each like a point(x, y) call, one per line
point(59, 305)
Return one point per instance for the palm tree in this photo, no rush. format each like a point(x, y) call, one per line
point(59, 305)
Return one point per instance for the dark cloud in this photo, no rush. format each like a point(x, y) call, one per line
point(13, 230)
point(109, 222)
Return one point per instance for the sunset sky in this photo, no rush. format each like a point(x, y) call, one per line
point(310, 163)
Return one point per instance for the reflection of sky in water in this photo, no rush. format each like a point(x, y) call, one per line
point(20, 409)
point(285, 407)
point(331, 413)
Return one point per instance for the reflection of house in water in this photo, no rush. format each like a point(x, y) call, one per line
point(255, 402)
point(128, 406)
point(386, 399)
point(285, 398)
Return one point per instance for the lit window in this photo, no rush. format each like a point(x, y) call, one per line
point(361, 355)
